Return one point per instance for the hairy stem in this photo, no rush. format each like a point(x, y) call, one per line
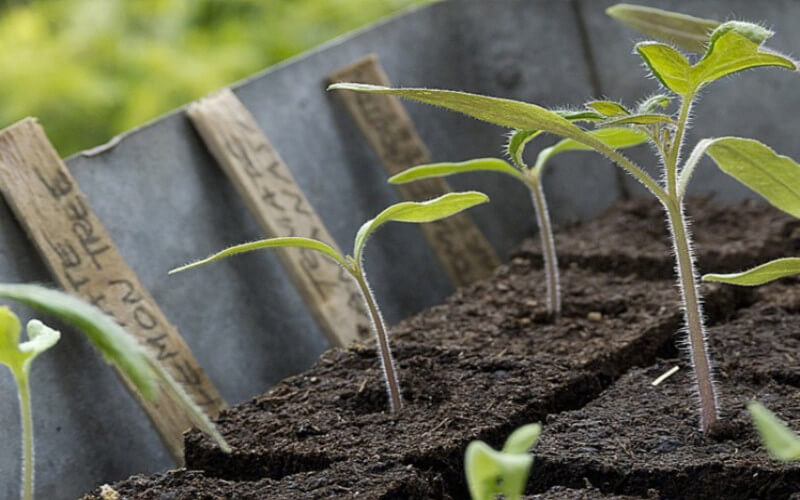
point(387, 361)
point(548, 246)
point(693, 313)
point(26, 418)
point(675, 150)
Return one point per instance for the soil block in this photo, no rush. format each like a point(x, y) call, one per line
point(490, 359)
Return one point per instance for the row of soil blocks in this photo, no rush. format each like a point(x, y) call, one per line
point(489, 361)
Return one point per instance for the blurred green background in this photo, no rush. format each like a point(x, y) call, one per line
point(90, 69)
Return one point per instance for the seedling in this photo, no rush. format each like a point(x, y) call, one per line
point(491, 472)
point(615, 137)
point(781, 443)
point(417, 212)
point(115, 345)
point(730, 48)
point(17, 356)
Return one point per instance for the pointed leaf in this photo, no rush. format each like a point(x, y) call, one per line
point(490, 472)
point(418, 212)
point(653, 103)
point(668, 65)
point(730, 53)
point(115, 345)
point(639, 119)
point(503, 112)
point(773, 176)
point(579, 115)
point(284, 242)
point(445, 169)
point(778, 439)
point(687, 32)
point(771, 271)
point(523, 439)
point(516, 145)
point(608, 108)
point(617, 138)
point(753, 32)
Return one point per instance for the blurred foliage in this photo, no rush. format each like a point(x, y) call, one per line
point(90, 69)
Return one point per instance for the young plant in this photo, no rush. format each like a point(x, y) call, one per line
point(731, 47)
point(416, 212)
point(781, 443)
point(115, 345)
point(17, 356)
point(491, 472)
point(614, 137)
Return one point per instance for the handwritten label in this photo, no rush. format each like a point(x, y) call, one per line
point(281, 209)
point(80, 254)
point(462, 249)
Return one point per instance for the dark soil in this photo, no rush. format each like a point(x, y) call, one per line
point(489, 360)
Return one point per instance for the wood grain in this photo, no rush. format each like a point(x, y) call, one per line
point(460, 246)
point(281, 209)
point(83, 259)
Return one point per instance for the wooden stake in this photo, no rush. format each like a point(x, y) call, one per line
point(80, 254)
point(281, 209)
point(462, 249)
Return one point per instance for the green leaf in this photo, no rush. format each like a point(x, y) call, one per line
point(523, 439)
point(687, 32)
point(753, 32)
point(503, 112)
point(668, 65)
point(490, 472)
point(778, 439)
point(510, 114)
point(516, 145)
point(445, 169)
point(771, 271)
point(608, 108)
point(773, 176)
point(653, 103)
point(417, 212)
point(638, 119)
point(617, 138)
point(579, 115)
point(41, 336)
point(730, 53)
point(283, 242)
point(115, 345)
point(10, 353)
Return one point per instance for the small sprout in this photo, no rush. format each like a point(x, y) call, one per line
point(781, 443)
point(117, 347)
point(532, 178)
point(17, 356)
point(727, 49)
point(491, 472)
point(414, 212)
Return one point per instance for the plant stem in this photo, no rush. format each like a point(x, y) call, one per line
point(26, 418)
point(548, 246)
point(693, 315)
point(687, 279)
point(387, 361)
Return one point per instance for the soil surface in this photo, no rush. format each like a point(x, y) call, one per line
point(490, 360)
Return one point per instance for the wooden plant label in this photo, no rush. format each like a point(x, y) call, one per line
point(457, 241)
point(281, 209)
point(80, 254)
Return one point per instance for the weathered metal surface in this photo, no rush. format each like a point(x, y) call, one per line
point(164, 202)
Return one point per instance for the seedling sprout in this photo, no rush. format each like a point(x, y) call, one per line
point(730, 48)
point(781, 443)
point(615, 137)
point(416, 212)
point(115, 345)
point(491, 472)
